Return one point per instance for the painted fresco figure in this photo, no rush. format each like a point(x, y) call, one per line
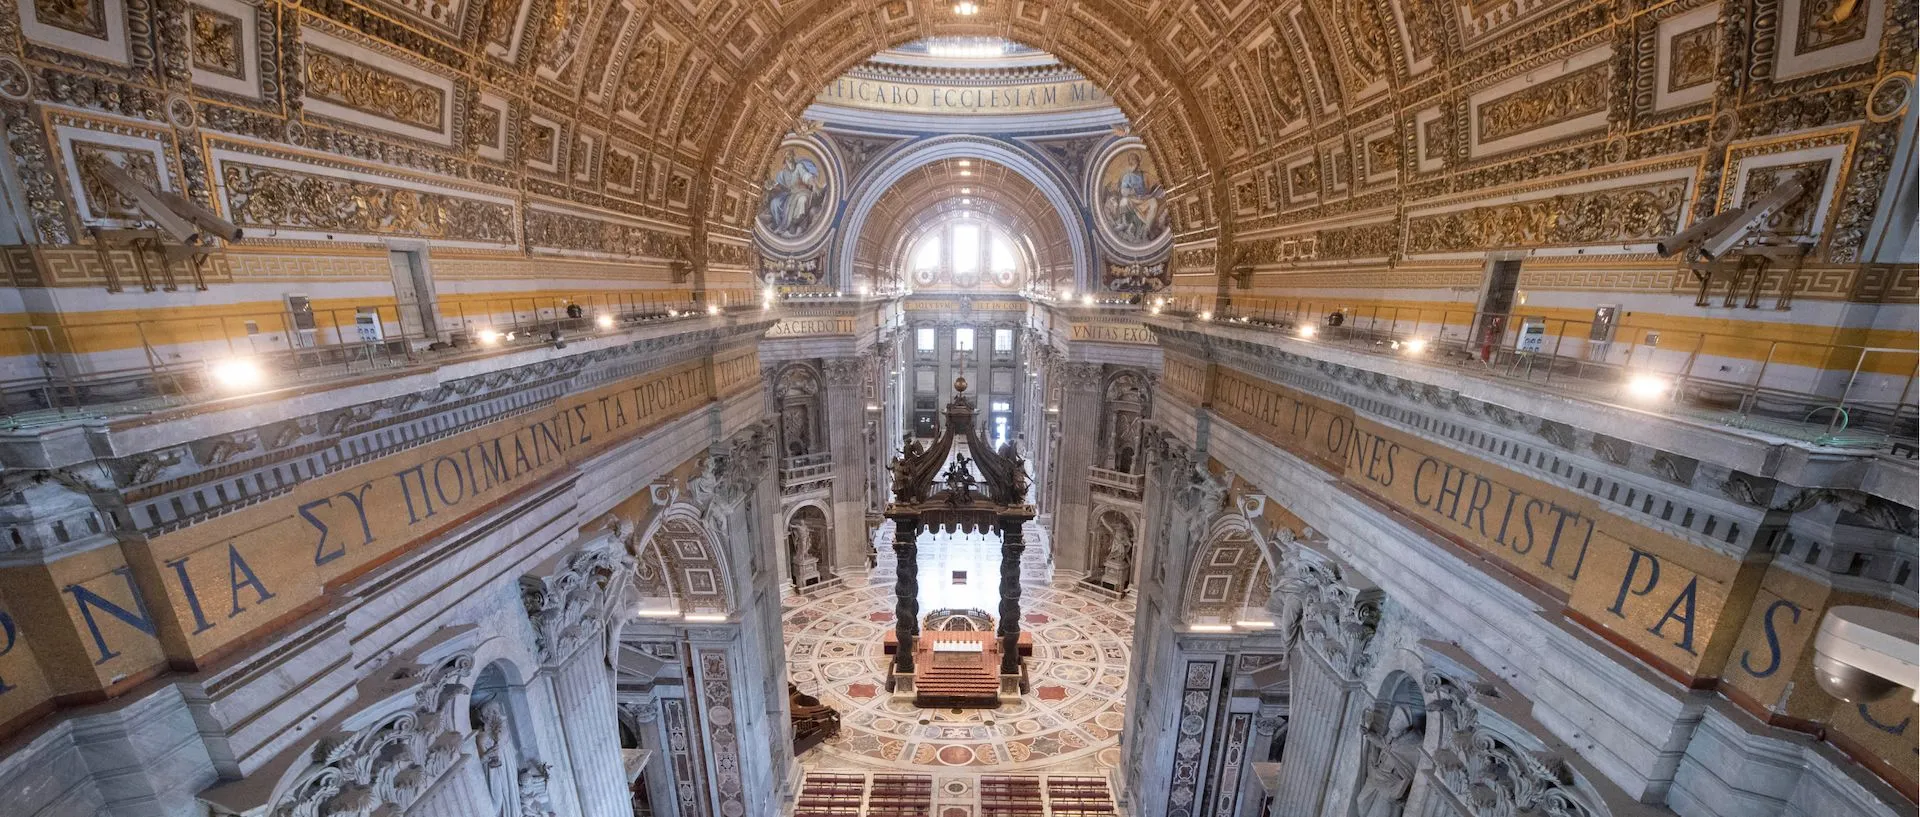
point(1135, 206)
point(792, 196)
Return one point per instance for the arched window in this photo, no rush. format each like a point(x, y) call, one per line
point(965, 251)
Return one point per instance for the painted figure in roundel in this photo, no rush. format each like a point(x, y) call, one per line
point(1132, 201)
point(796, 194)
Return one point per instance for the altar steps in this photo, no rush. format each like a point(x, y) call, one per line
point(968, 677)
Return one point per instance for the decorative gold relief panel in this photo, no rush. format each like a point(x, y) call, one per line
point(281, 199)
point(369, 90)
point(566, 232)
point(87, 18)
point(223, 45)
point(506, 26)
point(96, 29)
point(1561, 99)
point(1623, 215)
point(219, 44)
point(1827, 23)
point(360, 86)
point(1821, 35)
point(84, 145)
point(99, 201)
point(1693, 55)
point(1818, 161)
point(443, 16)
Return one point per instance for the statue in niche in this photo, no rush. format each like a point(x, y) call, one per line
point(494, 744)
point(534, 800)
point(806, 562)
point(1395, 758)
point(1119, 557)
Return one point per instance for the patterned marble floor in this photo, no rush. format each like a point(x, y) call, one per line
point(1068, 723)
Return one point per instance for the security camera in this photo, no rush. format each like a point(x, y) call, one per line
point(149, 202)
point(184, 219)
point(1693, 236)
point(202, 217)
point(1862, 654)
point(1748, 219)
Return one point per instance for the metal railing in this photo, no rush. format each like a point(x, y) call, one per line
point(805, 469)
point(1828, 394)
point(1116, 483)
point(118, 367)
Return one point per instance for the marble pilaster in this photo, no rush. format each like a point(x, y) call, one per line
point(1079, 398)
point(846, 442)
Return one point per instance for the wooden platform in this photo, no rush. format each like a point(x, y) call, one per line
point(957, 669)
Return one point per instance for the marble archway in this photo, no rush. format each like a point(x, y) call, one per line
point(890, 169)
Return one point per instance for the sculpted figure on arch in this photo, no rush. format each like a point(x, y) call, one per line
point(1395, 759)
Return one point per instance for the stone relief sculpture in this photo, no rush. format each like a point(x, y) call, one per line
point(1290, 587)
point(1395, 757)
point(385, 767)
point(534, 799)
point(499, 759)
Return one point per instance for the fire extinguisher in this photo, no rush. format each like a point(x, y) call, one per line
point(1490, 337)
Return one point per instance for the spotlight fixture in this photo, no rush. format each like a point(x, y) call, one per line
point(965, 163)
point(1206, 316)
point(965, 8)
point(489, 337)
point(1414, 347)
point(1648, 386)
point(604, 321)
point(238, 373)
point(1086, 300)
point(713, 309)
point(1308, 330)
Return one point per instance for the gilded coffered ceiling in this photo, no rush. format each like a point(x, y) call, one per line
point(646, 127)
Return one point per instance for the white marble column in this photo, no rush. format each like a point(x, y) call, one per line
point(460, 792)
point(550, 733)
point(1323, 710)
point(583, 690)
point(1079, 403)
point(846, 442)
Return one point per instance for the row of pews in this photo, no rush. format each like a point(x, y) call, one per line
point(825, 794)
point(1056, 796)
point(854, 795)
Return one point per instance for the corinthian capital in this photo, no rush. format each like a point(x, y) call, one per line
point(1077, 376)
point(844, 371)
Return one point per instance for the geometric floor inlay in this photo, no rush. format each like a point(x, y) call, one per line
point(1068, 722)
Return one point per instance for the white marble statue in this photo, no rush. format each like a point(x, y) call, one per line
point(1396, 756)
point(806, 563)
point(499, 758)
point(534, 800)
point(1119, 559)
